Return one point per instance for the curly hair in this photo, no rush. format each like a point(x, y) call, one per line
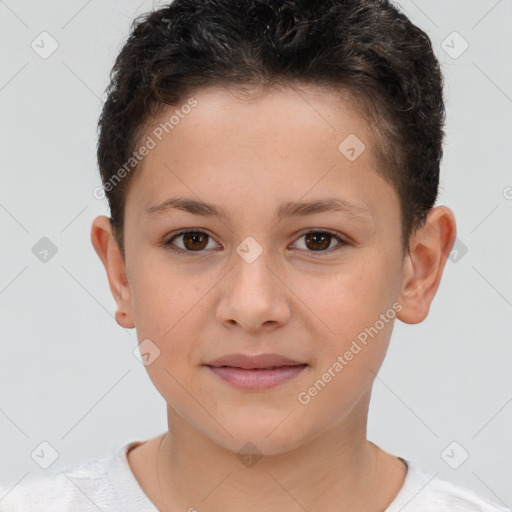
point(367, 48)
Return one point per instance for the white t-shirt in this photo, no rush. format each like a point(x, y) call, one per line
point(108, 485)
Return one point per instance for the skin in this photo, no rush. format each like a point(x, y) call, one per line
point(248, 153)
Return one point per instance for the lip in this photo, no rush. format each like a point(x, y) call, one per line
point(256, 379)
point(259, 361)
point(255, 373)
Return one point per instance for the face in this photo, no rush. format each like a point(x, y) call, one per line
point(318, 286)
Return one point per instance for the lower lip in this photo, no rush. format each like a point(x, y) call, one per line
point(256, 380)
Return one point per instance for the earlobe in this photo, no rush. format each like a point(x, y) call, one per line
point(423, 268)
point(110, 255)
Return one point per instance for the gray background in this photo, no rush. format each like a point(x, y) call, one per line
point(68, 373)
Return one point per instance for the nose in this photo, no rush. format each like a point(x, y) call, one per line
point(254, 295)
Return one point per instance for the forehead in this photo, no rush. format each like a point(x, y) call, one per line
point(265, 146)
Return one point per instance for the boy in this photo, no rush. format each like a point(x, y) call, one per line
point(259, 131)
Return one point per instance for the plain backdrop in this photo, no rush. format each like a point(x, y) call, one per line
point(69, 377)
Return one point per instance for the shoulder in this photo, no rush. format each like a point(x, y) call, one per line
point(83, 487)
point(426, 492)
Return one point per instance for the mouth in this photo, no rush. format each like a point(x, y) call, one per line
point(257, 379)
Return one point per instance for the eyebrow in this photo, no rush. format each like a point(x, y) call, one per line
point(285, 210)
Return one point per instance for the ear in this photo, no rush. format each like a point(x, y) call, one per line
point(109, 253)
point(423, 267)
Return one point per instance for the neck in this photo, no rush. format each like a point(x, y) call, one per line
point(337, 470)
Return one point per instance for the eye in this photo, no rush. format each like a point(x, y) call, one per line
point(194, 241)
point(320, 240)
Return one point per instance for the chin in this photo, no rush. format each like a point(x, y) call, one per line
point(262, 440)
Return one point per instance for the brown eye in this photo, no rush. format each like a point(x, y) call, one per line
point(192, 240)
point(320, 241)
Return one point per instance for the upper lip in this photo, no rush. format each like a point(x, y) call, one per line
point(251, 362)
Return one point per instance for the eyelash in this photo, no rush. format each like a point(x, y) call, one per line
point(169, 246)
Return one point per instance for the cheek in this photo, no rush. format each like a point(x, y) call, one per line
point(169, 319)
point(163, 296)
point(168, 309)
point(352, 294)
point(348, 309)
